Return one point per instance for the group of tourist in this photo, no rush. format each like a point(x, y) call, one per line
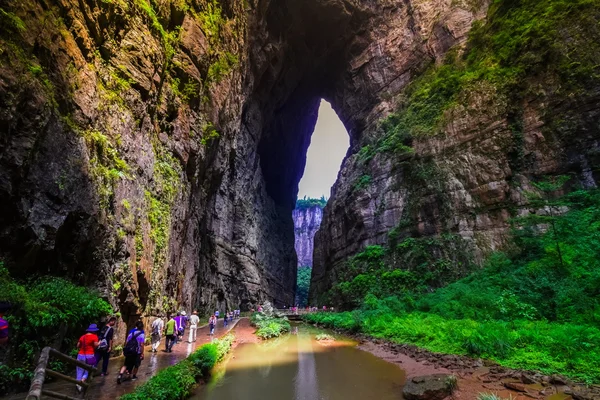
point(96, 345)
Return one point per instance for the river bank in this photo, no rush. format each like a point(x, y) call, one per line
point(476, 375)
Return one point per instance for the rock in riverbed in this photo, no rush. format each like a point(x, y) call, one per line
point(429, 387)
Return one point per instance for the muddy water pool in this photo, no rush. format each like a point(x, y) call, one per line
point(298, 367)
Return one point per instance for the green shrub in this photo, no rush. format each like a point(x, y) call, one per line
point(43, 307)
point(269, 327)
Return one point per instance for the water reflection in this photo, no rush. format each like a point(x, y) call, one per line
point(297, 367)
point(306, 384)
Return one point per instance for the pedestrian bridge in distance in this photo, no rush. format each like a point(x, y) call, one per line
point(292, 315)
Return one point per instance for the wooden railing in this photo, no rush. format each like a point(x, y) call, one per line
point(36, 389)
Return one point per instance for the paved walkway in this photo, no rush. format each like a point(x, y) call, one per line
point(106, 388)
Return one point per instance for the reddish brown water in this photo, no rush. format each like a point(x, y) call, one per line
point(297, 367)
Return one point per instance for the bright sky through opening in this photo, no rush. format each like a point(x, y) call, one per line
point(328, 146)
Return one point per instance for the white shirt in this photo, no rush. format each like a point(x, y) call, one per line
point(194, 319)
point(157, 325)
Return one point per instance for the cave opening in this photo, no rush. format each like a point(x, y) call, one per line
point(329, 144)
point(309, 64)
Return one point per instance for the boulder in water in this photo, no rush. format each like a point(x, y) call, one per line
point(429, 387)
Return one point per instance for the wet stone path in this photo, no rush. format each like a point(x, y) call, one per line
point(106, 387)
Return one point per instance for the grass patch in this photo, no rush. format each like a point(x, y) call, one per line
point(177, 381)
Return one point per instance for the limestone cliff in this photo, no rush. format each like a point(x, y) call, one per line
point(307, 219)
point(153, 149)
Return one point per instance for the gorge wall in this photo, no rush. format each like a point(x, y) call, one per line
point(153, 149)
point(307, 220)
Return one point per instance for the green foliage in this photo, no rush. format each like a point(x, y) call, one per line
point(178, 381)
point(106, 165)
point(362, 182)
point(534, 308)
point(308, 202)
point(10, 22)
point(269, 327)
point(302, 285)
point(43, 307)
point(407, 268)
point(520, 44)
point(185, 91)
point(210, 134)
point(536, 281)
point(211, 19)
point(222, 66)
point(535, 345)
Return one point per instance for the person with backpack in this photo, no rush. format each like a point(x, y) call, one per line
point(4, 308)
point(105, 344)
point(170, 333)
point(182, 326)
point(87, 345)
point(157, 329)
point(177, 319)
point(133, 352)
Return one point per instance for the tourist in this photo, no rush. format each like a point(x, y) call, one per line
point(225, 319)
point(133, 352)
point(217, 315)
point(105, 344)
point(212, 323)
point(182, 325)
point(170, 329)
point(4, 308)
point(194, 320)
point(177, 326)
point(158, 326)
point(87, 345)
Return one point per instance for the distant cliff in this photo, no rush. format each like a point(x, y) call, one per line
point(307, 218)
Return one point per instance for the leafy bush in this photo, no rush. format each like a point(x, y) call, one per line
point(269, 327)
point(46, 311)
point(177, 381)
point(537, 307)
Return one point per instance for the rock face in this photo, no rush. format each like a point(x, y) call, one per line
point(429, 387)
point(153, 149)
point(306, 224)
